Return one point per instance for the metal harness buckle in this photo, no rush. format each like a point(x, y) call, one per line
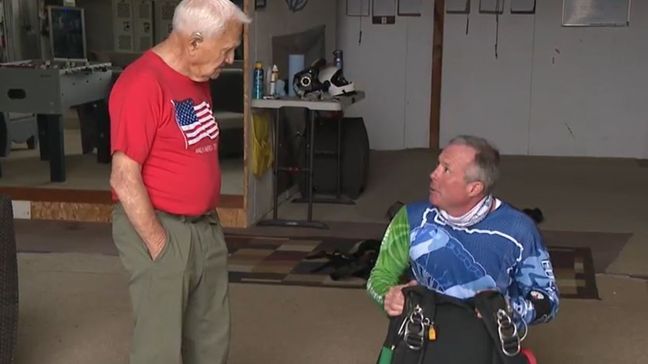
point(414, 329)
point(508, 334)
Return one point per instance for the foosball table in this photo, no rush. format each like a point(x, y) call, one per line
point(48, 89)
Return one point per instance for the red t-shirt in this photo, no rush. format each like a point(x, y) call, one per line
point(163, 120)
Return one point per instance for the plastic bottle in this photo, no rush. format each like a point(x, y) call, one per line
point(257, 81)
point(338, 58)
point(274, 75)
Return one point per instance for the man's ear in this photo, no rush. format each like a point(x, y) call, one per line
point(476, 188)
point(195, 40)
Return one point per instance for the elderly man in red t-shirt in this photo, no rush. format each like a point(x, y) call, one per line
point(166, 182)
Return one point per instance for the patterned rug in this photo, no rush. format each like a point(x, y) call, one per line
point(275, 260)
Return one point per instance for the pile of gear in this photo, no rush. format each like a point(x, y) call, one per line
point(320, 80)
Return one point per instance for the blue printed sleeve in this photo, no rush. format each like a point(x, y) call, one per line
point(534, 283)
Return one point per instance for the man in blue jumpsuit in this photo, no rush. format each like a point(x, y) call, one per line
point(464, 241)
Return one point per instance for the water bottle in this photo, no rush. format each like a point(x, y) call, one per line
point(274, 76)
point(257, 81)
point(338, 61)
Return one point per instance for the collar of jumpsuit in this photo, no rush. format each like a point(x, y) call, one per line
point(472, 217)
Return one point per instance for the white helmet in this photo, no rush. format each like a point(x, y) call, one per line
point(333, 81)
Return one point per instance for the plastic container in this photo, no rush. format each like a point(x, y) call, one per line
point(257, 81)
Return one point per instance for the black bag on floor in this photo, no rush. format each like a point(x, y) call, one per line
point(436, 328)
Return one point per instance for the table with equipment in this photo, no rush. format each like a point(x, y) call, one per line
point(336, 104)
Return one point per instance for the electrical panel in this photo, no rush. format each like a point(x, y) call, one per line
point(140, 24)
point(123, 32)
point(143, 24)
point(164, 18)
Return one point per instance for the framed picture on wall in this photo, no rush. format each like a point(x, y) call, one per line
point(357, 8)
point(259, 4)
point(457, 6)
point(596, 13)
point(523, 6)
point(409, 7)
point(491, 6)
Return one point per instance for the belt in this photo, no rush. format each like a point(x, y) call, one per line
point(210, 217)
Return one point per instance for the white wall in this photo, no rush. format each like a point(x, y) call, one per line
point(271, 21)
point(553, 90)
point(483, 95)
point(597, 87)
point(276, 20)
point(393, 64)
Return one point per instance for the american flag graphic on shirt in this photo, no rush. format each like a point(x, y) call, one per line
point(195, 121)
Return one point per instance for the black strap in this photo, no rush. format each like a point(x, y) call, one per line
point(429, 300)
point(426, 297)
point(488, 303)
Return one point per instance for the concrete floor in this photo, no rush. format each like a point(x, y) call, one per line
point(75, 307)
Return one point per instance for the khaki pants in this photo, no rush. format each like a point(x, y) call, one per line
point(180, 300)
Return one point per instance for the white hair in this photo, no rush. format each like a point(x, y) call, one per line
point(207, 17)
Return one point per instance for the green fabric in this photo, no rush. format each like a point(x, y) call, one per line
point(393, 258)
point(180, 300)
point(386, 356)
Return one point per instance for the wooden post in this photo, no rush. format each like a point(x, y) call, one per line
point(437, 63)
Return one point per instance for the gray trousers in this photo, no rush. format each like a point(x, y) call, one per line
point(180, 301)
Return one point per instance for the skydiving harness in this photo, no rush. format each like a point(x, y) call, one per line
point(413, 334)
